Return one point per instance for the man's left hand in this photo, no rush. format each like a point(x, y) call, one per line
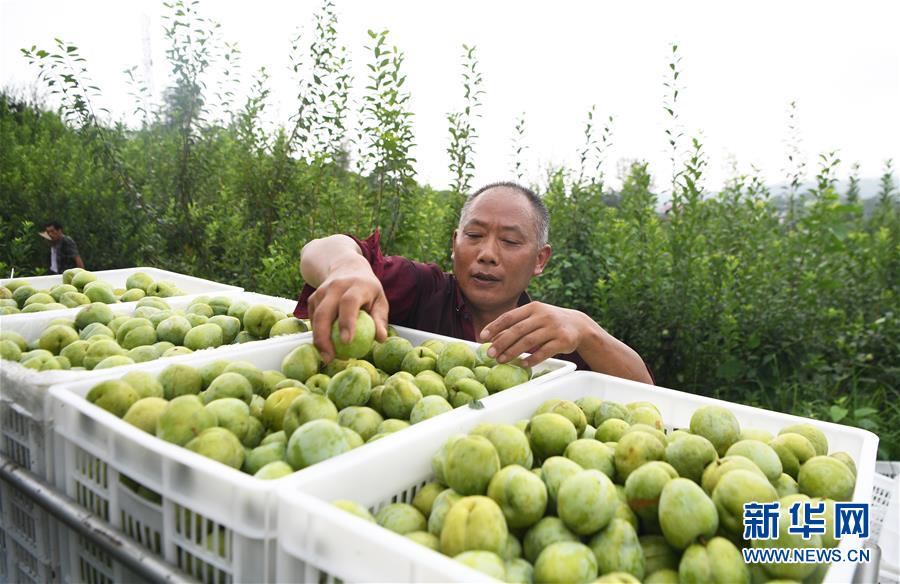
point(541, 329)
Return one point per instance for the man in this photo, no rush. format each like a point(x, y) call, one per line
point(63, 250)
point(499, 245)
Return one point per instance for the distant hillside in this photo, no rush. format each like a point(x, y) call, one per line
point(868, 187)
point(868, 193)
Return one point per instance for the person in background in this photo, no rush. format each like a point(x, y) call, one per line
point(63, 249)
point(500, 244)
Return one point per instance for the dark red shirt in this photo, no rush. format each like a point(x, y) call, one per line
point(420, 296)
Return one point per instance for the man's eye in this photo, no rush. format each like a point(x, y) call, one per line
point(511, 242)
point(473, 235)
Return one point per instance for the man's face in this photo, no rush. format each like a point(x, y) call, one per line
point(495, 251)
point(54, 233)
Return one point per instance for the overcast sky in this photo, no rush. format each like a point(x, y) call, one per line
point(742, 63)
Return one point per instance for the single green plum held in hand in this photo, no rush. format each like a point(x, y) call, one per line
point(360, 344)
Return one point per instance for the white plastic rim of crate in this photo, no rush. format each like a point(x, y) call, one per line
point(27, 387)
point(406, 462)
point(238, 500)
point(331, 540)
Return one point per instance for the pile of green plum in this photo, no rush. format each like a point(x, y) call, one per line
point(271, 423)
point(595, 490)
point(80, 287)
point(98, 338)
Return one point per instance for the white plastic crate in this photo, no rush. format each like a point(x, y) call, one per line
point(25, 564)
point(25, 408)
point(885, 516)
point(189, 285)
point(883, 493)
point(83, 561)
point(4, 569)
point(318, 542)
point(91, 564)
point(200, 498)
point(26, 421)
point(30, 548)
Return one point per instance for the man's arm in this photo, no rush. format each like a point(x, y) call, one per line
point(606, 354)
point(320, 257)
point(78, 262)
point(546, 330)
point(344, 283)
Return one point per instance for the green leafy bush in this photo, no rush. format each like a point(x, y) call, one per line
point(787, 303)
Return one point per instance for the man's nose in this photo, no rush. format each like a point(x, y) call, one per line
point(487, 252)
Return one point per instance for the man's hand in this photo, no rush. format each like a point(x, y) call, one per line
point(545, 330)
point(542, 329)
point(341, 296)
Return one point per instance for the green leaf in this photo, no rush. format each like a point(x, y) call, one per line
point(837, 413)
point(868, 424)
point(864, 412)
point(731, 369)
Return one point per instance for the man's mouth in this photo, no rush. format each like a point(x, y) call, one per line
point(483, 277)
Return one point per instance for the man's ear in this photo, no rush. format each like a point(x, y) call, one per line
point(542, 259)
point(453, 243)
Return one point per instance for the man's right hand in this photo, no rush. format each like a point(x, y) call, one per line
point(343, 293)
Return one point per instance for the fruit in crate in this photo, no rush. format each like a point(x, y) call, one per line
point(566, 561)
point(718, 425)
point(474, 523)
point(80, 287)
point(504, 376)
point(183, 420)
point(350, 387)
point(305, 413)
point(315, 441)
point(259, 319)
point(152, 330)
point(401, 518)
point(486, 562)
point(618, 549)
point(220, 445)
point(825, 476)
point(389, 354)
point(285, 326)
point(735, 489)
point(428, 407)
point(419, 359)
point(577, 507)
point(550, 434)
point(307, 408)
point(113, 396)
point(719, 560)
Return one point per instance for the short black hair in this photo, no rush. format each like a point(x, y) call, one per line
point(542, 215)
point(54, 224)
